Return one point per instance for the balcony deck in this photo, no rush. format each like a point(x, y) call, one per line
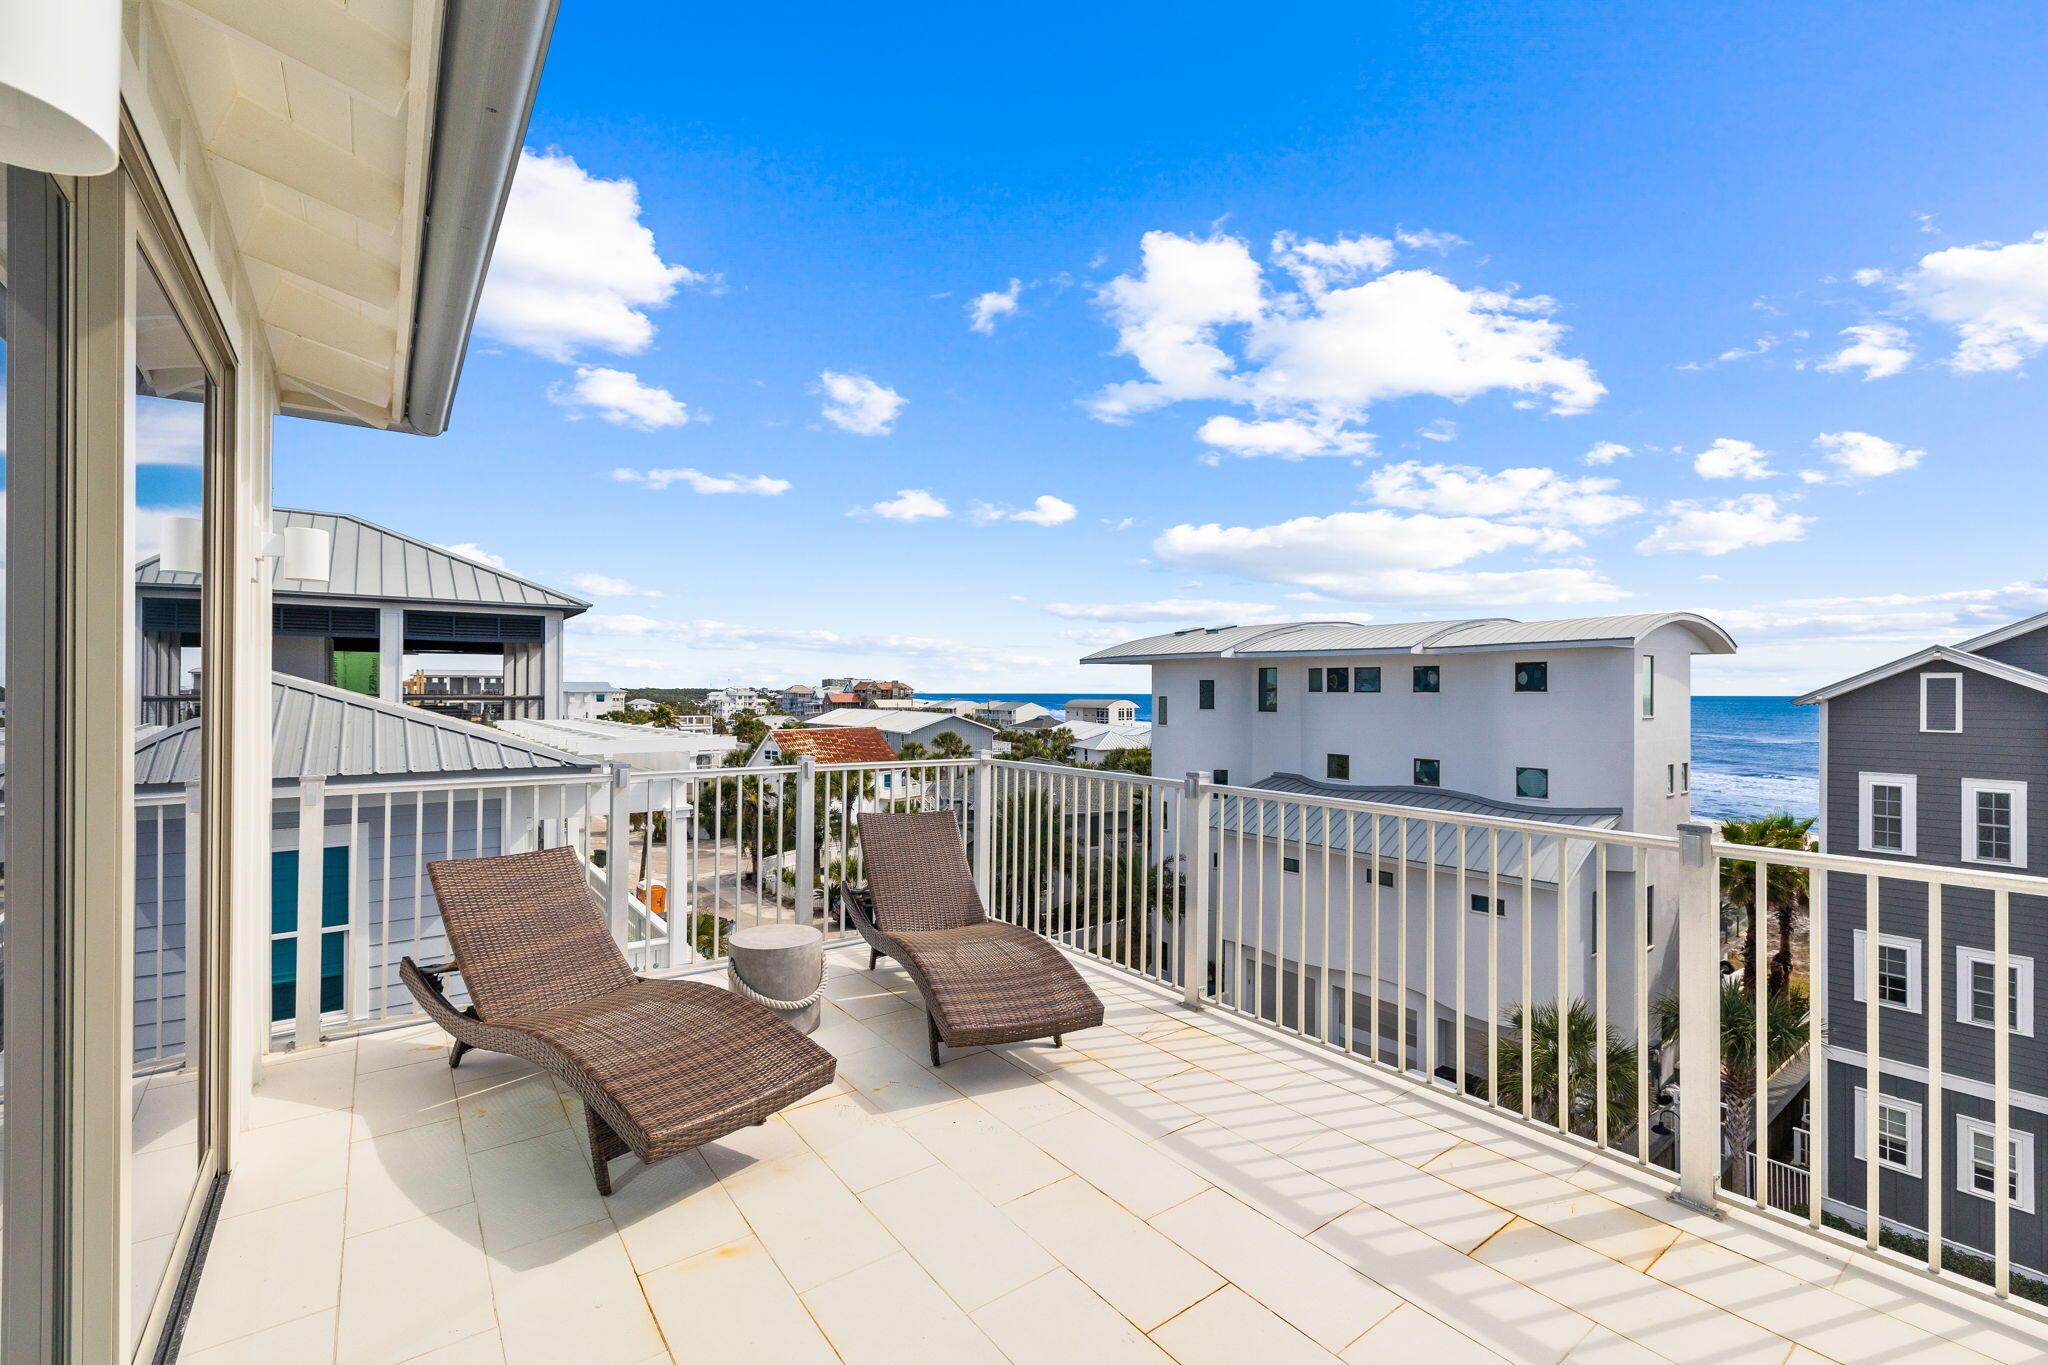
point(1175, 1186)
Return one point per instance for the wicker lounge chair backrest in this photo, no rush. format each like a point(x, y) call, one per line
point(917, 872)
point(527, 932)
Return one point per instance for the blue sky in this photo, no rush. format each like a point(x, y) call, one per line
point(1316, 314)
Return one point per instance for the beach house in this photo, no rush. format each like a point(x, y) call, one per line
point(1015, 715)
point(1932, 759)
point(590, 700)
point(1101, 710)
point(1576, 723)
point(900, 727)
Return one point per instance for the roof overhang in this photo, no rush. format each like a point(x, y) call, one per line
point(363, 155)
point(2019, 677)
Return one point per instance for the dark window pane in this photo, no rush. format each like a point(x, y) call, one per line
point(1533, 677)
point(1337, 766)
point(1269, 689)
point(1533, 783)
point(1339, 679)
point(1315, 680)
point(1428, 678)
point(1205, 694)
point(1428, 772)
point(1365, 679)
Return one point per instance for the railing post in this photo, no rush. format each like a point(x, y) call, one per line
point(806, 838)
point(312, 879)
point(983, 827)
point(1699, 1018)
point(1194, 939)
point(618, 853)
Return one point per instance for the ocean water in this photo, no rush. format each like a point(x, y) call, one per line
point(1751, 756)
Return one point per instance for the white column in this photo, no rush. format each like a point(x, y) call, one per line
point(390, 651)
point(1699, 1017)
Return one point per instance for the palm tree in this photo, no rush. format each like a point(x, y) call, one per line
point(912, 751)
point(1788, 888)
point(1785, 1033)
point(950, 745)
point(1582, 1043)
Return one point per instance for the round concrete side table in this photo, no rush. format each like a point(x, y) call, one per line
point(781, 966)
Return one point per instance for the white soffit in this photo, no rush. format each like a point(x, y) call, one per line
point(316, 118)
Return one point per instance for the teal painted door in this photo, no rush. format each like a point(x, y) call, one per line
point(284, 922)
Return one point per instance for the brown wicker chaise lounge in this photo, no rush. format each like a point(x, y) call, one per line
point(983, 981)
point(661, 1066)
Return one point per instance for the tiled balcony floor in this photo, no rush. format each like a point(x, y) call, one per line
point(1172, 1187)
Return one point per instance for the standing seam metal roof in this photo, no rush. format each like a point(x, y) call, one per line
point(374, 561)
point(1366, 833)
point(1422, 637)
point(321, 731)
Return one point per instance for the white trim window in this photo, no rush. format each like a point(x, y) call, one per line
point(1977, 1162)
point(1941, 703)
point(1646, 686)
point(1899, 972)
point(1888, 819)
point(1994, 822)
point(1899, 1133)
point(1977, 990)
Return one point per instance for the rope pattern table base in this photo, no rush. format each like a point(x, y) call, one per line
point(743, 990)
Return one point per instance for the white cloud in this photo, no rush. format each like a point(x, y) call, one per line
point(167, 431)
point(620, 398)
point(984, 309)
point(1164, 609)
point(1422, 239)
point(1531, 497)
point(1319, 266)
point(1993, 295)
point(909, 504)
point(574, 267)
point(1607, 452)
point(1717, 528)
point(602, 585)
point(856, 403)
point(1859, 455)
point(1382, 556)
point(470, 550)
point(1202, 324)
point(1762, 344)
point(699, 482)
point(1728, 459)
point(1442, 429)
point(1287, 438)
point(1046, 510)
point(1879, 349)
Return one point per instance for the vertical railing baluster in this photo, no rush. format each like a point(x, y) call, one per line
point(1401, 948)
point(2001, 1089)
point(1566, 904)
point(1601, 950)
point(1818, 1001)
point(1527, 844)
point(1936, 1185)
point(1641, 1000)
point(1493, 909)
point(1872, 889)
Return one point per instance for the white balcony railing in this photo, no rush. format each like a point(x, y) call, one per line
point(1568, 976)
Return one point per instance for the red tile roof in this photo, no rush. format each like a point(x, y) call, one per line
point(843, 698)
point(840, 744)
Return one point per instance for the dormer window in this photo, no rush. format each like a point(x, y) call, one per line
point(1941, 703)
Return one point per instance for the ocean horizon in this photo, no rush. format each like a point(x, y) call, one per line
point(1751, 756)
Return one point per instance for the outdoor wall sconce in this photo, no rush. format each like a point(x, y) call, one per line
point(304, 553)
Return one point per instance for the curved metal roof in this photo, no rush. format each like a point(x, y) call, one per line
point(1284, 639)
point(321, 731)
point(373, 561)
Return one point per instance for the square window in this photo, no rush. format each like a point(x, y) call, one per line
point(1269, 689)
point(1159, 710)
point(1386, 876)
point(1337, 767)
point(1290, 864)
point(1315, 680)
point(1534, 677)
point(1221, 777)
point(1977, 1168)
point(1995, 822)
point(1339, 679)
point(1897, 1138)
point(1977, 990)
point(1205, 694)
point(1428, 772)
point(1533, 783)
point(1899, 972)
point(1365, 680)
point(1429, 678)
point(1480, 905)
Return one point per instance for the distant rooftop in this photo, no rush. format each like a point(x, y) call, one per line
point(848, 744)
point(588, 687)
point(376, 562)
point(1283, 639)
point(890, 722)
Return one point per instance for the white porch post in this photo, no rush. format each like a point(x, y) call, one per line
point(1194, 939)
point(806, 787)
point(312, 881)
point(984, 824)
point(1699, 1015)
point(390, 652)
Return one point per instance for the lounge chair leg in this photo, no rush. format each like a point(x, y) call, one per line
point(1056, 1041)
point(604, 1145)
point(455, 1055)
point(932, 1028)
point(874, 956)
point(601, 1167)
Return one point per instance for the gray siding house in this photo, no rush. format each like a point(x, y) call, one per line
point(1933, 759)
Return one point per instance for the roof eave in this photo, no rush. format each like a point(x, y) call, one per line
point(1989, 667)
point(492, 52)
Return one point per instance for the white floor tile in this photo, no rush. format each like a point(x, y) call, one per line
point(892, 1313)
point(400, 1176)
point(1231, 1328)
point(281, 1162)
point(1408, 1333)
point(964, 1242)
point(573, 1296)
point(1140, 1271)
point(672, 1210)
point(308, 1339)
point(863, 1148)
point(533, 1189)
point(731, 1303)
point(414, 1287)
point(814, 1227)
point(1057, 1320)
point(267, 1268)
point(1135, 1175)
point(988, 1154)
